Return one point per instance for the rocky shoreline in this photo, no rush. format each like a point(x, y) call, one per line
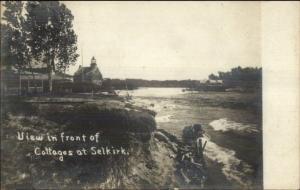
point(154, 156)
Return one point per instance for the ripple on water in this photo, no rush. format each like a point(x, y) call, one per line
point(224, 124)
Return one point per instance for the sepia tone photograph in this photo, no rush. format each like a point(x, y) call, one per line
point(131, 95)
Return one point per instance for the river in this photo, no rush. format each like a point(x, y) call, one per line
point(231, 120)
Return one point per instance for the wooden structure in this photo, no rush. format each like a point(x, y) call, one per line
point(25, 82)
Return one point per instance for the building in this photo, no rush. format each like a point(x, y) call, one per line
point(89, 74)
point(29, 81)
point(216, 82)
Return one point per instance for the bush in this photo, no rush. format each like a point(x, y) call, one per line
point(91, 118)
point(85, 87)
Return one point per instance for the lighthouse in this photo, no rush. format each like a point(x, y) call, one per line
point(93, 62)
point(89, 74)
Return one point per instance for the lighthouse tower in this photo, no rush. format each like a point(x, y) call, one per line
point(93, 62)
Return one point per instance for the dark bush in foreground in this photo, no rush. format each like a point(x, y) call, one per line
point(130, 129)
point(90, 118)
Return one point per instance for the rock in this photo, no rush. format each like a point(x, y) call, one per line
point(164, 138)
point(190, 133)
point(170, 136)
point(161, 137)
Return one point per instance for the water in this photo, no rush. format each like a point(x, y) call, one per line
point(224, 124)
point(232, 123)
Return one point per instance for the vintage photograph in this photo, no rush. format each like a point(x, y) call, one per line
point(131, 95)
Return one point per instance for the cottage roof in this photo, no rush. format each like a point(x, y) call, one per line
point(27, 75)
point(42, 76)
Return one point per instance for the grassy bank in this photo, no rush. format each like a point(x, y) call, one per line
point(150, 159)
point(119, 126)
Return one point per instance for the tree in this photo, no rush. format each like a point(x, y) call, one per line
point(213, 77)
point(51, 36)
point(14, 51)
point(241, 74)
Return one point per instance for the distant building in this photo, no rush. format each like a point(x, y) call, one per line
point(90, 74)
point(210, 81)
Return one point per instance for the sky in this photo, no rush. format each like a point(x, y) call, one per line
point(166, 40)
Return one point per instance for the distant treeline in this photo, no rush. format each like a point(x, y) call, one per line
point(135, 83)
point(248, 77)
point(239, 74)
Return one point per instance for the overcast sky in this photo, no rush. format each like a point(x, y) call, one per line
point(167, 40)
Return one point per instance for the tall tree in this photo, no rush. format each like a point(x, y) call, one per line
point(51, 35)
point(14, 51)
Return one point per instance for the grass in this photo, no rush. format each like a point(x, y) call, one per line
point(118, 126)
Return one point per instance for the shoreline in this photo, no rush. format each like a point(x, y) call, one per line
point(121, 124)
point(127, 109)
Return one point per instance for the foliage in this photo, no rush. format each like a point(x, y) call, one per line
point(135, 83)
point(238, 73)
point(14, 51)
point(51, 35)
point(45, 34)
point(213, 77)
point(85, 87)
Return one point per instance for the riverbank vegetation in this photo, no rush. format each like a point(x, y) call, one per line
point(130, 152)
point(118, 127)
